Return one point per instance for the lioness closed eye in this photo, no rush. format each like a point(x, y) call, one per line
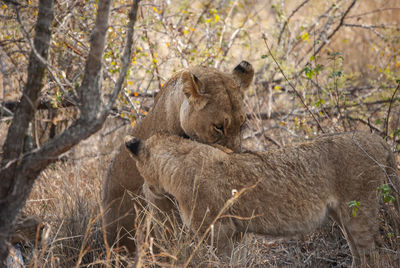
point(287, 191)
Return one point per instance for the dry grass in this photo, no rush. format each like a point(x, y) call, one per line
point(67, 196)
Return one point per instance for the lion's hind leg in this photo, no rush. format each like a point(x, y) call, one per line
point(360, 229)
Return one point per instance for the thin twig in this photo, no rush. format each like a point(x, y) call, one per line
point(232, 38)
point(336, 29)
point(275, 142)
point(226, 206)
point(381, 166)
point(369, 27)
point(4, 108)
point(374, 11)
point(292, 86)
point(153, 58)
point(323, 30)
point(228, 47)
point(221, 38)
point(288, 19)
point(68, 96)
point(365, 122)
point(389, 110)
point(131, 103)
point(206, 8)
point(126, 56)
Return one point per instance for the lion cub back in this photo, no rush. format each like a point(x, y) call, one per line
point(280, 192)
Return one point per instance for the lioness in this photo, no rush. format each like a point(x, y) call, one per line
point(280, 192)
point(201, 103)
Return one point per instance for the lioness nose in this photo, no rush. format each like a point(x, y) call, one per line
point(234, 143)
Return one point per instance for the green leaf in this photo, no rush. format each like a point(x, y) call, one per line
point(305, 36)
point(264, 56)
point(388, 198)
point(308, 72)
point(336, 74)
point(318, 68)
point(319, 102)
point(386, 192)
point(354, 205)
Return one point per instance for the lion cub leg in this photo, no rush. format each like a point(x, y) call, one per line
point(364, 229)
point(164, 214)
point(219, 233)
point(360, 231)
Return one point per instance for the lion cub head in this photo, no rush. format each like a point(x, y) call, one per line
point(141, 152)
point(213, 111)
point(153, 157)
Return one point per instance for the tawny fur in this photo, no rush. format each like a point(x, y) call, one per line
point(194, 102)
point(290, 191)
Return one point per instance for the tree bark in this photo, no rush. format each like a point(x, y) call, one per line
point(19, 169)
point(12, 196)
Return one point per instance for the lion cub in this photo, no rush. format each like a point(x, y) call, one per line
point(280, 192)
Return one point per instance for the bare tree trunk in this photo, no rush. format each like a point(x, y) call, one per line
point(11, 197)
point(19, 169)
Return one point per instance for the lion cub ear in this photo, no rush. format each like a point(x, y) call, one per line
point(193, 89)
point(133, 144)
point(243, 75)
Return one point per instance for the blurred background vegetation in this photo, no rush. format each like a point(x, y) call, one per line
point(321, 67)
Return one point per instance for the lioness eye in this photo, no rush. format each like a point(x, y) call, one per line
point(219, 128)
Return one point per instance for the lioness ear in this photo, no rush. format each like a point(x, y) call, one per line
point(132, 144)
point(193, 89)
point(243, 74)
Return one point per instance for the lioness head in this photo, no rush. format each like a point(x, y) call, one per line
point(213, 111)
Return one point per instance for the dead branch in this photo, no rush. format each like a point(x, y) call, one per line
point(292, 86)
point(24, 110)
point(126, 56)
point(389, 109)
point(369, 27)
point(325, 28)
point(153, 58)
point(336, 29)
point(275, 142)
point(20, 169)
point(51, 72)
point(374, 11)
point(13, 189)
point(288, 19)
point(367, 123)
point(265, 116)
